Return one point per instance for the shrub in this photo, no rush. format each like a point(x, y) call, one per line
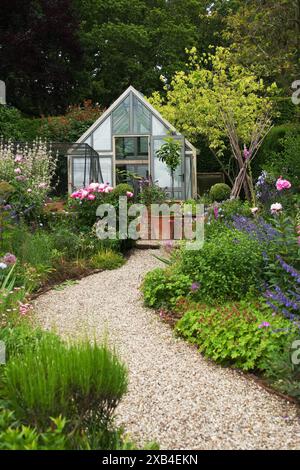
point(151, 193)
point(244, 335)
point(21, 336)
point(15, 436)
point(220, 192)
point(107, 259)
point(228, 267)
point(234, 207)
point(163, 288)
point(83, 382)
point(121, 190)
point(283, 370)
point(70, 126)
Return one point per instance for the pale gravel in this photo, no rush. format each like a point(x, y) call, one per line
point(175, 396)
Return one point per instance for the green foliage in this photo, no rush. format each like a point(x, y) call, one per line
point(107, 259)
point(283, 370)
point(82, 381)
point(14, 436)
point(70, 126)
point(121, 190)
point(170, 153)
point(220, 192)
point(232, 334)
point(151, 193)
point(20, 336)
point(234, 207)
point(261, 43)
point(213, 93)
point(13, 125)
point(229, 266)
point(163, 288)
point(286, 161)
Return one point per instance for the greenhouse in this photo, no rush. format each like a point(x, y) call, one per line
point(126, 137)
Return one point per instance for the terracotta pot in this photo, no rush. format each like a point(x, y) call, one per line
point(159, 227)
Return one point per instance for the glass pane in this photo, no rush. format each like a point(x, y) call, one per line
point(141, 118)
point(124, 173)
point(106, 169)
point(121, 118)
point(102, 136)
point(188, 177)
point(161, 172)
point(88, 141)
point(131, 148)
point(78, 172)
point(158, 128)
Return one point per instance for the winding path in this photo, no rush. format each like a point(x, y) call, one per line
point(175, 396)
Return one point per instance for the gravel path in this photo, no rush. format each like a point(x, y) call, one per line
point(175, 396)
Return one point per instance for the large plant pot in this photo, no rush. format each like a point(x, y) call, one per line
point(159, 227)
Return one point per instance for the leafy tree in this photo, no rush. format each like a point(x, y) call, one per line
point(170, 154)
point(40, 55)
point(224, 102)
point(265, 34)
point(135, 41)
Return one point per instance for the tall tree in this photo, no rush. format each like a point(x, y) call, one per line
point(224, 102)
point(40, 55)
point(265, 34)
point(135, 41)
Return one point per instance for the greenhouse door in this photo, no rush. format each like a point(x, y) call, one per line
point(161, 173)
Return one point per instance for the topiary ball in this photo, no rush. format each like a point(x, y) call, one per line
point(220, 192)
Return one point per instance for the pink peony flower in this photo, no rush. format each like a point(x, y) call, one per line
point(93, 186)
point(282, 184)
point(75, 195)
point(91, 197)
point(83, 194)
point(275, 208)
point(9, 259)
point(254, 210)
point(18, 171)
point(129, 194)
point(108, 189)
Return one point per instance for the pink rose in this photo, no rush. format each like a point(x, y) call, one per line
point(282, 184)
